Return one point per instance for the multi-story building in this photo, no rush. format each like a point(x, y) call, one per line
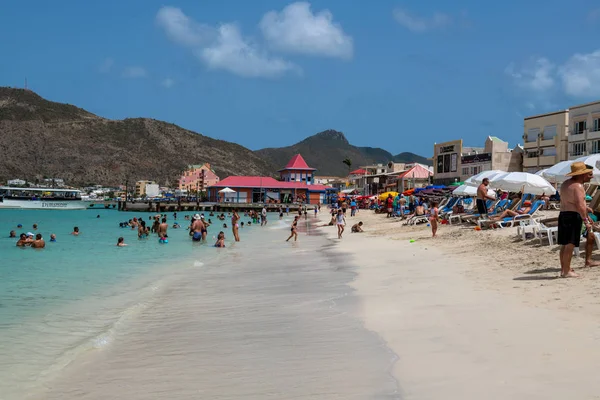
point(546, 140)
point(584, 130)
point(140, 187)
point(453, 162)
point(197, 178)
point(16, 182)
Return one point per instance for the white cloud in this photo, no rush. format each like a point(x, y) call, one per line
point(578, 77)
point(106, 65)
point(537, 75)
point(134, 72)
point(231, 52)
point(297, 30)
point(181, 29)
point(581, 75)
point(167, 83)
point(222, 48)
point(418, 24)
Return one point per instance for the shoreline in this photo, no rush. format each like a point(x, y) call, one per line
point(474, 314)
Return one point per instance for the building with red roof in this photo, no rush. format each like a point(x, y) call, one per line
point(296, 185)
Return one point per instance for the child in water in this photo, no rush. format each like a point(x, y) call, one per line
point(220, 240)
point(121, 242)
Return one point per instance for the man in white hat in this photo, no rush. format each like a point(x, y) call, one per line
point(198, 230)
point(573, 213)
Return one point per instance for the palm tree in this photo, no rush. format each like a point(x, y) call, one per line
point(348, 162)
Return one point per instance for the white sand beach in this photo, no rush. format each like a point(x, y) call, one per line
point(475, 314)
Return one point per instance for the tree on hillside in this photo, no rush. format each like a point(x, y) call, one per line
point(348, 162)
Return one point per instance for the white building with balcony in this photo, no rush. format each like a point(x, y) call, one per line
point(584, 130)
point(545, 139)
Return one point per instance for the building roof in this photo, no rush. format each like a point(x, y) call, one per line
point(359, 171)
point(264, 182)
point(417, 172)
point(297, 163)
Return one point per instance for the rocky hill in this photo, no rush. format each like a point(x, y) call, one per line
point(42, 138)
point(327, 150)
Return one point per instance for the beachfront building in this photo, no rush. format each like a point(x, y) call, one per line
point(453, 162)
point(197, 178)
point(297, 170)
point(546, 140)
point(296, 185)
point(140, 187)
point(584, 130)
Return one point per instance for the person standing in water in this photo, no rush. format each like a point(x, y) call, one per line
point(162, 229)
point(294, 230)
point(38, 242)
point(235, 225)
point(263, 214)
point(197, 228)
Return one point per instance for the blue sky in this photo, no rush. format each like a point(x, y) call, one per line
point(394, 74)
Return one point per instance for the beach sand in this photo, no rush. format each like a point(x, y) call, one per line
point(475, 314)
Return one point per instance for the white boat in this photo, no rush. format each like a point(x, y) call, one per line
point(40, 198)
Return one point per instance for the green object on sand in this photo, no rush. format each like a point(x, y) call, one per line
point(412, 240)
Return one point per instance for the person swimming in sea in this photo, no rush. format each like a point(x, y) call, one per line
point(75, 231)
point(220, 240)
point(38, 243)
point(24, 241)
point(12, 234)
point(53, 237)
point(121, 242)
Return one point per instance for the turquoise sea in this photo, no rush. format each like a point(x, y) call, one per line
point(84, 318)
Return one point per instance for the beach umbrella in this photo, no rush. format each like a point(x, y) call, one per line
point(558, 173)
point(541, 172)
point(471, 191)
point(385, 195)
point(523, 182)
point(589, 160)
point(476, 180)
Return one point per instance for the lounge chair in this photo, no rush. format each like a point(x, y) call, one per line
point(497, 208)
point(513, 221)
point(458, 217)
point(416, 219)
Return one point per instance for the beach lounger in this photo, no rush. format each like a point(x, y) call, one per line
point(497, 208)
point(458, 217)
point(514, 221)
point(416, 219)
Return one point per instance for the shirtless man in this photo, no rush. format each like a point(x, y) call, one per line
point(482, 196)
point(162, 229)
point(38, 242)
point(197, 228)
point(573, 212)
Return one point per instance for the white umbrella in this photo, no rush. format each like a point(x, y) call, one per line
point(523, 182)
point(227, 190)
point(541, 172)
point(558, 173)
point(589, 160)
point(476, 180)
point(471, 191)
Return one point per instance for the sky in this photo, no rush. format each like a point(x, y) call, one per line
point(400, 75)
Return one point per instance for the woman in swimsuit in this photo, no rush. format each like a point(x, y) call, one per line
point(294, 230)
point(234, 225)
point(433, 218)
point(341, 222)
point(220, 240)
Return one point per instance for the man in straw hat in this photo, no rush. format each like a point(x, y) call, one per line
point(573, 212)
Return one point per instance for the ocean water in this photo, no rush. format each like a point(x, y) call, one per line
point(262, 318)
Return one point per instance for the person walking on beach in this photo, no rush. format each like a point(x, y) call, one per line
point(433, 218)
point(235, 226)
point(352, 207)
point(341, 222)
point(389, 205)
point(294, 230)
point(573, 213)
point(482, 196)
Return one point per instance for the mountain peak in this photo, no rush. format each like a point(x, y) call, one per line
point(331, 134)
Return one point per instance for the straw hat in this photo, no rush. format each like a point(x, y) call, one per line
point(579, 168)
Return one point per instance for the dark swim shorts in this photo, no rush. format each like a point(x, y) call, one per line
point(569, 228)
point(197, 237)
point(481, 207)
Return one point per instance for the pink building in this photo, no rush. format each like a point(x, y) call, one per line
point(197, 178)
